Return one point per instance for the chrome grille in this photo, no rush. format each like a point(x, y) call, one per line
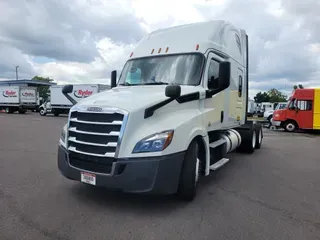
point(95, 133)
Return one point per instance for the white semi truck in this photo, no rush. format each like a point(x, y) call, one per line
point(178, 109)
point(18, 98)
point(60, 104)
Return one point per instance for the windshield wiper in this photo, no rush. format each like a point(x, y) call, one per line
point(125, 84)
point(156, 83)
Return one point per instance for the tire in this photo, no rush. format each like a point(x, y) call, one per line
point(42, 112)
point(190, 173)
point(21, 111)
point(8, 110)
point(270, 118)
point(259, 137)
point(249, 139)
point(56, 114)
point(290, 126)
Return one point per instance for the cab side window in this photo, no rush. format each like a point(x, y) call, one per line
point(213, 74)
point(304, 105)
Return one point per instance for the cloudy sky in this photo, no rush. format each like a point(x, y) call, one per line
point(81, 41)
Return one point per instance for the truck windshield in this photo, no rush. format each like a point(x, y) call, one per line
point(170, 69)
point(281, 106)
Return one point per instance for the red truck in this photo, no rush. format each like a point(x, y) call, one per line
point(302, 111)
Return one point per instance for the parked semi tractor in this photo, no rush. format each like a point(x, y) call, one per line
point(302, 111)
point(178, 109)
point(18, 98)
point(59, 104)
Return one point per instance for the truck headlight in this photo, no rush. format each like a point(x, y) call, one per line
point(63, 135)
point(154, 143)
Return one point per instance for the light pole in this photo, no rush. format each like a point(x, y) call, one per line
point(17, 72)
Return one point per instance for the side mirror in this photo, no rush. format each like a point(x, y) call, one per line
point(224, 75)
point(67, 89)
point(173, 91)
point(113, 78)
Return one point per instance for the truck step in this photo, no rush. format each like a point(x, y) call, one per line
point(217, 143)
point(219, 164)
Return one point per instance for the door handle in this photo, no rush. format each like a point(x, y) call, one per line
point(221, 116)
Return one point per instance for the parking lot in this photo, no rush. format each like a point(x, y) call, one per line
point(272, 194)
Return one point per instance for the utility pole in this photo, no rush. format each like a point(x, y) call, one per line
point(17, 72)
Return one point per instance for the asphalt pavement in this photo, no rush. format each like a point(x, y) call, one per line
point(272, 194)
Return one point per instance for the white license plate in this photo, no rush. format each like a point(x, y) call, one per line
point(88, 178)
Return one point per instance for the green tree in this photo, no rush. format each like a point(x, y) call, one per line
point(262, 97)
point(276, 96)
point(43, 90)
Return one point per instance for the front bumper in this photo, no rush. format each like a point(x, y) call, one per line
point(276, 123)
point(154, 175)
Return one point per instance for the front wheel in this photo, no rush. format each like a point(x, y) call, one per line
point(42, 112)
point(190, 173)
point(290, 126)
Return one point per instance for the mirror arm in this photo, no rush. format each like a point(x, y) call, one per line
point(74, 102)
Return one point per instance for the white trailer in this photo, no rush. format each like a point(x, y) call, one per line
point(60, 104)
point(18, 98)
point(251, 108)
point(178, 109)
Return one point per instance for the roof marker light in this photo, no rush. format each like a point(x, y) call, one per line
point(167, 49)
point(131, 54)
point(152, 51)
point(197, 47)
point(159, 50)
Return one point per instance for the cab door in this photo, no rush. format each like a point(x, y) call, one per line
point(302, 112)
point(214, 114)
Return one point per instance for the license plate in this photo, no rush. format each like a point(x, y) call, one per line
point(88, 178)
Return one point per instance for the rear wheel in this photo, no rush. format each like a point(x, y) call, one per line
point(190, 173)
point(8, 110)
point(259, 135)
point(22, 111)
point(249, 140)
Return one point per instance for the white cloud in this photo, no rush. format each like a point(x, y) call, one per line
point(89, 38)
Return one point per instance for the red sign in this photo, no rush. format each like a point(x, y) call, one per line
point(8, 93)
point(27, 94)
point(82, 93)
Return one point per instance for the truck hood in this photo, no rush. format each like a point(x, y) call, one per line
point(132, 97)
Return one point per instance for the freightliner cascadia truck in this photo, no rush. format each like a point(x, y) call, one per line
point(178, 108)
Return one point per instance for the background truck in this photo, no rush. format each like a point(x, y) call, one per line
point(57, 103)
point(251, 108)
point(302, 111)
point(178, 109)
point(18, 98)
point(268, 114)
